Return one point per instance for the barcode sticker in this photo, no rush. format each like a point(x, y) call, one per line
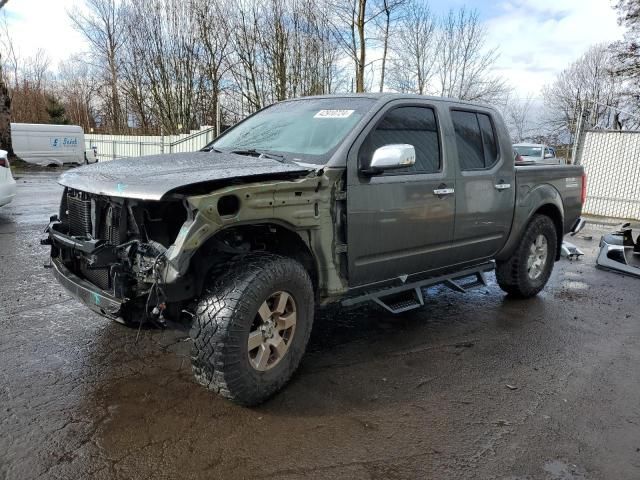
point(333, 114)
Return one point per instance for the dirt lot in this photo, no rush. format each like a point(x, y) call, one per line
point(475, 386)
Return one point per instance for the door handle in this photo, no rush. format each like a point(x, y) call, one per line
point(502, 186)
point(443, 191)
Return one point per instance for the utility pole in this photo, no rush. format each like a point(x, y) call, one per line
point(217, 117)
point(576, 137)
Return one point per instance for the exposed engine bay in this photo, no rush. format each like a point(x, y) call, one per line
point(116, 244)
point(126, 258)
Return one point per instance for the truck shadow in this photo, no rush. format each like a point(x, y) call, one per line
point(357, 358)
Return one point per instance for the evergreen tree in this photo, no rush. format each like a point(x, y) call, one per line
point(56, 111)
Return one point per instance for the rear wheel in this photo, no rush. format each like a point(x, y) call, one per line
point(528, 269)
point(251, 327)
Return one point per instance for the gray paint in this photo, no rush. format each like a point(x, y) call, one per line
point(544, 185)
point(397, 227)
point(152, 177)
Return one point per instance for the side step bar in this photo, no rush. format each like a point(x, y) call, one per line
point(410, 296)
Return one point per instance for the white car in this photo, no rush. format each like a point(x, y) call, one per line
point(7, 183)
point(537, 153)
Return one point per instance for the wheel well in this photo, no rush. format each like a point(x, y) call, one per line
point(555, 215)
point(268, 237)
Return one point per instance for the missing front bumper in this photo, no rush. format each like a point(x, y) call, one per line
point(97, 300)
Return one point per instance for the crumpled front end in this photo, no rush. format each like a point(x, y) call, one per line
point(109, 251)
point(140, 256)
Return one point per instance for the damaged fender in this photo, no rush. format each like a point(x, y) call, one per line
point(304, 206)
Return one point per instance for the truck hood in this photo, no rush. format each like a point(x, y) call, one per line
point(152, 177)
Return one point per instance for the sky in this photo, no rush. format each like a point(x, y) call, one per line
point(536, 38)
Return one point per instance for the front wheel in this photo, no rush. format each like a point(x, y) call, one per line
point(528, 269)
point(251, 327)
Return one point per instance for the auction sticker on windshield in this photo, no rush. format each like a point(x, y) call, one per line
point(333, 114)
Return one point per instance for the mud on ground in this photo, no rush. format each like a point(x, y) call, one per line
point(472, 386)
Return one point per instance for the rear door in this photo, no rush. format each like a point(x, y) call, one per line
point(485, 185)
point(398, 224)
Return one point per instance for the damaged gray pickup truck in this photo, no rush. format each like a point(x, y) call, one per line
point(319, 200)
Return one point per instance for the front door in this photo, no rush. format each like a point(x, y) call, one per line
point(400, 221)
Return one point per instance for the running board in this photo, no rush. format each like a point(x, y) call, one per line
point(410, 296)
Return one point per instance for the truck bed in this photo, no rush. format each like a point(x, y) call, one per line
point(566, 180)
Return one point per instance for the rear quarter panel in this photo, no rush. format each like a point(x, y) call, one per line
point(540, 185)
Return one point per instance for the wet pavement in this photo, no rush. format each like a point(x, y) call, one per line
point(472, 386)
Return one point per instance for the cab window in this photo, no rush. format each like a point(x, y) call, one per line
point(415, 126)
point(475, 139)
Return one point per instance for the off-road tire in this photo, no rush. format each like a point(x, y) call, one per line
point(512, 274)
point(223, 318)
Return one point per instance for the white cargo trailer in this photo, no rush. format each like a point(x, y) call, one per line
point(47, 145)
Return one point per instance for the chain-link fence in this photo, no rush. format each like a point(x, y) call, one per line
point(612, 162)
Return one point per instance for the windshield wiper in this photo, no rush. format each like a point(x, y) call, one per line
point(211, 149)
point(252, 152)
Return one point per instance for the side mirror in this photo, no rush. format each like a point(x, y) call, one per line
point(390, 157)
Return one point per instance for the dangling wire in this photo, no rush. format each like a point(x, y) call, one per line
point(155, 290)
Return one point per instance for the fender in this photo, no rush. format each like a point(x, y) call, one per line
point(543, 198)
point(303, 206)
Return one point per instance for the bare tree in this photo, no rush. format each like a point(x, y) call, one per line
point(171, 65)
point(5, 96)
point(10, 62)
point(628, 50)
point(517, 116)
point(464, 62)
point(215, 48)
point(76, 88)
point(279, 49)
point(627, 56)
point(5, 114)
point(274, 38)
point(413, 65)
point(161, 35)
point(388, 9)
point(31, 89)
point(102, 23)
point(350, 31)
point(587, 87)
point(248, 72)
point(313, 53)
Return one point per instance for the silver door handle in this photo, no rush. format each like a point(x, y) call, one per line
point(443, 191)
point(502, 186)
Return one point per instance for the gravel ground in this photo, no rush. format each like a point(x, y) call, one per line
point(471, 386)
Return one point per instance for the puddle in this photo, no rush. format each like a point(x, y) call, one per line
point(575, 285)
point(559, 470)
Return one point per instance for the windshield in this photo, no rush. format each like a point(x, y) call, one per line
point(306, 130)
point(528, 151)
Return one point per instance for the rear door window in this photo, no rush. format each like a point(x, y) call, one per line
point(475, 139)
